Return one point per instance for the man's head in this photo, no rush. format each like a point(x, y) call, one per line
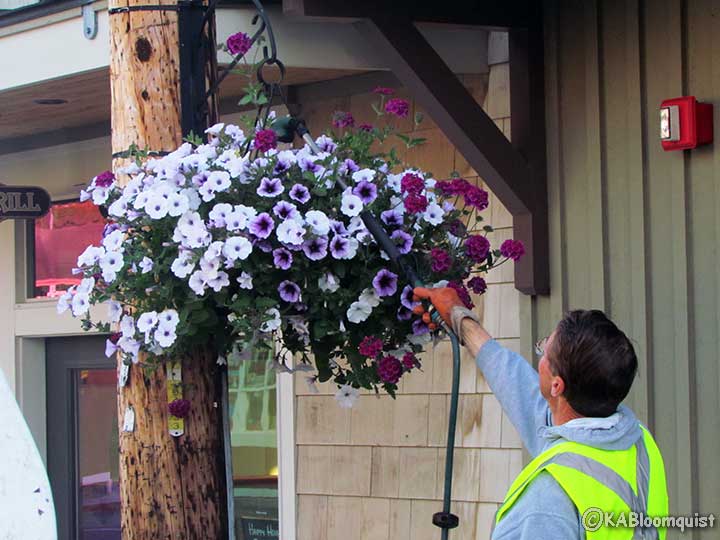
point(589, 363)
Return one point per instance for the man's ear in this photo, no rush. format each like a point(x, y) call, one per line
point(557, 386)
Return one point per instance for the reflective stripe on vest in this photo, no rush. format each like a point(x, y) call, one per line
point(571, 456)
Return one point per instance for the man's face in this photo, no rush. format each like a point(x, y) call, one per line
point(547, 379)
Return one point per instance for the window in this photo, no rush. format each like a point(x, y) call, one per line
point(253, 437)
point(56, 241)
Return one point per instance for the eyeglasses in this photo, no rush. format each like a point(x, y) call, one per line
point(540, 346)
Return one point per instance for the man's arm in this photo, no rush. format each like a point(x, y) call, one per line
point(513, 381)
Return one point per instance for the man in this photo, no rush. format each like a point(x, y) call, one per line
point(591, 454)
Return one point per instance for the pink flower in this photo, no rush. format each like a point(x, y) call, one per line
point(512, 249)
point(477, 285)
point(440, 261)
point(342, 119)
point(383, 91)
point(104, 179)
point(412, 183)
point(476, 197)
point(265, 139)
point(477, 248)
point(365, 127)
point(456, 186)
point(370, 346)
point(462, 293)
point(239, 43)
point(414, 204)
point(398, 107)
point(409, 361)
point(389, 369)
point(179, 408)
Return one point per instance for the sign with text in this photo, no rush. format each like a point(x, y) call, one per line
point(260, 529)
point(23, 202)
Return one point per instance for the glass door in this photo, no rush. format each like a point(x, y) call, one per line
point(83, 438)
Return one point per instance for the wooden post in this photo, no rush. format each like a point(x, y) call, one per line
point(170, 487)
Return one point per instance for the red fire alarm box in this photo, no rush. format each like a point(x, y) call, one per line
point(685, 123)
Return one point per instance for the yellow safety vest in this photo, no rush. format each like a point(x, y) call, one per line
point(614, 481)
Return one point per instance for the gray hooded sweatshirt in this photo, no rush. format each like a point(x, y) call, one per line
point(544, 511)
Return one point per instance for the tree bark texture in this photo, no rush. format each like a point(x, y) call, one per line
point(170, 488)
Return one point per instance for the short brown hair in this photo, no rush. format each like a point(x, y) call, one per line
point(596, 361)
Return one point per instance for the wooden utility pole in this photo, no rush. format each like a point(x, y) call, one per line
point(170, 487)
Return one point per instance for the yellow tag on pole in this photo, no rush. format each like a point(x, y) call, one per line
point(176, 426)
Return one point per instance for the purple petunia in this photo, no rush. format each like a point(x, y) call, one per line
point(285, 210)
point(367, 191)
point(385, 282)
point(392, 218)
point(419, 327)
point(262, 225)
point(289, 291)
point(338, 227)
point(406, 298)
point(404, 314)
point(270, 188)
point(299, 193)
point(402, 240)
point(282, 258)
point(348, 167)
point(315, 248)
point(339, 247)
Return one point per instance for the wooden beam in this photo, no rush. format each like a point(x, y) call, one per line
point(506, 171)
point(527, 126)
point(496, 15)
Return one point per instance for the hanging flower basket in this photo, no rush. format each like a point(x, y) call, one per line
point(236, 242)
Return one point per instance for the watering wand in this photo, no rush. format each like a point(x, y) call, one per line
point(286, 128)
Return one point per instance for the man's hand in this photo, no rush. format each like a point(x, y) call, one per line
point(444, 299)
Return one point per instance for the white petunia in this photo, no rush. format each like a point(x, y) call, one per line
point(165, 337)
point(273, 323)
point(86, 285)
point(110, 348)
point(115, 311)
point(112, 261)
point(218, 180)
point(434, 214)
point(363, 174)
point(100, 195)
point(358, 312)
point(236, 220)
point(168, 318)
point(218, 281)
point(141, 200)
point(146, 265)
point(114, 240)
point(85, 195)
point(237, 247)
point(197, 282)
point(346, 396)
point(80, 304)
point(182, 266)
point(213, 251)
point(352, 205)
point(118, 208)
point(328, 282)
point(178, 204)
point(290, 232)
point(215, 129)
point(192, 197)
point(127, 326)
point(147, 321)
point(245, 280)
point(130, 346)
point(393, 182)
point(369, 297)
point(90, 256)
point(219, 213)
point(190, 223)
point(64, 302)
point(318, 222)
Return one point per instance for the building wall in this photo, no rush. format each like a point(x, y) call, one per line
point(376, 471)
point(634, 230)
